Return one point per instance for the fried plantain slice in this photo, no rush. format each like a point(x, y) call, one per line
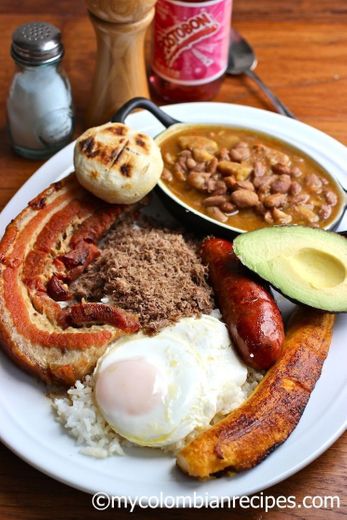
point(251, 432)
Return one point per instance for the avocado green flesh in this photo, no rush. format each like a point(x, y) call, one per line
point(306, 265)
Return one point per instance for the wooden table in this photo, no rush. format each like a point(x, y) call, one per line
point(302, 51)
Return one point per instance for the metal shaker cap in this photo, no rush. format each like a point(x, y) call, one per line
point(36, 43)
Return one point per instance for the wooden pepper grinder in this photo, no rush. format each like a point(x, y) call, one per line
point(120, 74)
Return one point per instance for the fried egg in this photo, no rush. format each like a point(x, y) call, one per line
point(156, 390)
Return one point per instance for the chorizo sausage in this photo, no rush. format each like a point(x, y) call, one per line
point(250, 312)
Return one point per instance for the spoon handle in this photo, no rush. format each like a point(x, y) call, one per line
point(280, 107)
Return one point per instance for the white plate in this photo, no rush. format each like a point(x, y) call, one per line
point(28, 428)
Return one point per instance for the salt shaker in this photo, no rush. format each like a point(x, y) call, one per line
point(39, 105)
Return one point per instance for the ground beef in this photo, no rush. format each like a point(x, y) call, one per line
point(151, 271)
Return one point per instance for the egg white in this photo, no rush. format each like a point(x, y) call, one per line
point(197, 370)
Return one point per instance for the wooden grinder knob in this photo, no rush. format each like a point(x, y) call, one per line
point(120, 74)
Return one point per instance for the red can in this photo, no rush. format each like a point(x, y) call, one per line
point(190, 48)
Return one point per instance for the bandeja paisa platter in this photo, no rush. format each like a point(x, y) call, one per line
point(161, 307)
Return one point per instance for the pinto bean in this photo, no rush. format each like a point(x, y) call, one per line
point(212, 166)
point(242, 144)
point(276, 200)
point(301, 198)
point(215, 200)
point(211, 185)
point(246, 185)
point(295, 188)
point(185, 153)
point(260, 181)
point(331, 198)
point(216, 213)
point(197, 180)
point(200, 167)
point(191, 163)
point(314, 183)
point(228, 207)
point(259, 169)
point(282, 184)
point(240, 152)
point(325, 211)
point(236, 155)
point(182, 161)
point(281, 217)
point(296, 172)
point(263, 184)
point(262, 151)
point(220, 188)
point(281, 168)
point(278, 158)
point(167, 175)
point(244, 198)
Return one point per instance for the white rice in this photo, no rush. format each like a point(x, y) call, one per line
point(79, 415)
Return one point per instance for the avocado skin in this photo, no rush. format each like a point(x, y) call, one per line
point(314, 234)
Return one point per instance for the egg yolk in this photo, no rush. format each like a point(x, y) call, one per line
point(130, 386)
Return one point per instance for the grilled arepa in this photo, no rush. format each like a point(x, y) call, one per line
point(116, 163)
point(44, 249)
point(249, 433)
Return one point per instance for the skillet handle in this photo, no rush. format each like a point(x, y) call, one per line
point(141, 102)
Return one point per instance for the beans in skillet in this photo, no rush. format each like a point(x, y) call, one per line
point(247, 179)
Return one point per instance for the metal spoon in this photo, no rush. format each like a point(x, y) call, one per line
point(242, 60)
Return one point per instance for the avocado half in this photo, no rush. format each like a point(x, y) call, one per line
point(307, 265)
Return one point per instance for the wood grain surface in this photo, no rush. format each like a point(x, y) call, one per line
point(302, 51)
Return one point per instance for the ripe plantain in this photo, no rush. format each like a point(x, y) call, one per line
point(248, 434)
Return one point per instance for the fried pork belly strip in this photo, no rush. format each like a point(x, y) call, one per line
point(249, 433)
point(44, 248)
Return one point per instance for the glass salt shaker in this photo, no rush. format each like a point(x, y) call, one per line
point(39, 106)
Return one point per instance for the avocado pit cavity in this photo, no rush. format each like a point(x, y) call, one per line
point(317, 268)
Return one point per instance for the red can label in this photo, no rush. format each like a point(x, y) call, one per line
point(191, 40)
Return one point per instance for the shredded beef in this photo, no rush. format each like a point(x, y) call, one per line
point(151, 271)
